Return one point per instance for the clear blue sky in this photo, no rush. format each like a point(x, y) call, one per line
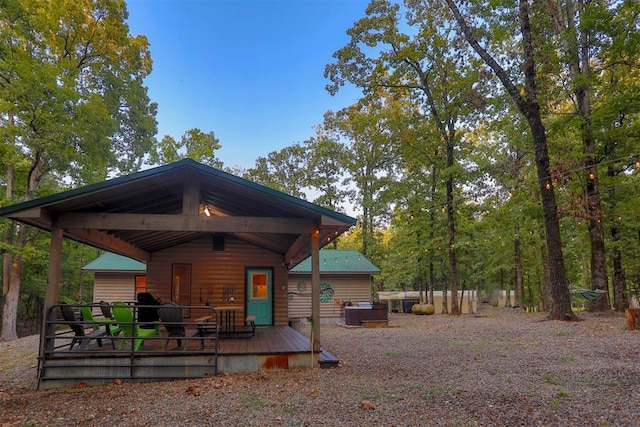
point(251, 71)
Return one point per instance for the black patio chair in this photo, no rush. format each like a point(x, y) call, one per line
point(79, 329)
point(146, 314)
point(171, 317)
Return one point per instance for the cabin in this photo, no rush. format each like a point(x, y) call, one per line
point(217, 247)
point(346, 279)
point(116, 277)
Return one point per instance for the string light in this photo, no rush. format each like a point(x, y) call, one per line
point(629, 160)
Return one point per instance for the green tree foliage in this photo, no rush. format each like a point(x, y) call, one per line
point(194, 144)
point(72, 106)
point(325, 166)
point(282, 170)
point(368, 128)
point(430, 64)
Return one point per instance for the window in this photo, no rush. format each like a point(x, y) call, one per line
point(140, 285)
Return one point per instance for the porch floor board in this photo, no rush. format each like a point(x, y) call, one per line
point(267, 340)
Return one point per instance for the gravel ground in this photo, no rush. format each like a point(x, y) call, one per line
point(501, 367)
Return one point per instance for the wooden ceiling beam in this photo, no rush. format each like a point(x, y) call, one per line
point(161, 222)
point(103, 240)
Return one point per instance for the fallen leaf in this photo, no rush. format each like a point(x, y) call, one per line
point(367, 404)
point(194, 390)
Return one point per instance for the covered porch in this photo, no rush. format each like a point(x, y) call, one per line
point(208, 239)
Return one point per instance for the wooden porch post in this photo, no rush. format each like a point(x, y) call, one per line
point(315, 289)
point(53, 278)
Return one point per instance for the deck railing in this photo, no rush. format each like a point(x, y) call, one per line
point(118, 357)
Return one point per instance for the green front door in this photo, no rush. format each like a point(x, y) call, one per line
point(260, 295)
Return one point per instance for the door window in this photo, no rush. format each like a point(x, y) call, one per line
point(259, 286)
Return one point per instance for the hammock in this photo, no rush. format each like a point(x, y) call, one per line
point(587, 294)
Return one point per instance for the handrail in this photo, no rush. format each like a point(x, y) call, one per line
point(57, 338)
point(56, 353)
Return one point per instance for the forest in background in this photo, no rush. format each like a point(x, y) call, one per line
point(495, 145)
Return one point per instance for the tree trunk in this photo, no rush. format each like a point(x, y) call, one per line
point(445, 299)
point(560, 299)
point(577, 44)
point(472, 300)
point(451, 226)
point(432, 278)
point(12, 264)
point(11, 296)
point(543, 290)
point(453, 271)
point(517, 285)
point(620, 298)
point(432, 222)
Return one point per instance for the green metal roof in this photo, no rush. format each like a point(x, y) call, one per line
point(160, 170)
point(339, 261)
point(114, 262)
point(159, 194)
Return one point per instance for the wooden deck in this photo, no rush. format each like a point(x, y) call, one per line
point(268, 339)
point(271, 348)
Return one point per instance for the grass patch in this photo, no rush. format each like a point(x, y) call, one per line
point(567, 359)
point(393, 354)
point(432, 392)
point(551, 379)
point(289, 410)
point(254, 401)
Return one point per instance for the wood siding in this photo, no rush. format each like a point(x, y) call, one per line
point(110, 287)
point(212, 271)
point(346, 288)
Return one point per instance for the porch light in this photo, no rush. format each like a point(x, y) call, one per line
point(206, 210)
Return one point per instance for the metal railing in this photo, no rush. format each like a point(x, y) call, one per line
point(103, 351)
